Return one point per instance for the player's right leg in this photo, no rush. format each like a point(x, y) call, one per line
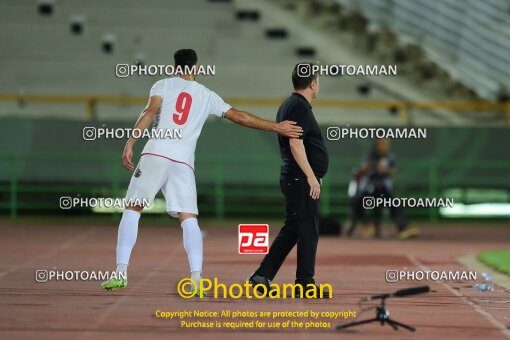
point(193, 244)
point(181, 199)
point(147, 179)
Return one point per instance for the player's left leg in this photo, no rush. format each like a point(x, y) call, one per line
point(126, 239)
point(147, 179)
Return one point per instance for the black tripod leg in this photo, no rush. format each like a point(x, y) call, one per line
point(395, 328)
point(394, 324)
point(356, 323)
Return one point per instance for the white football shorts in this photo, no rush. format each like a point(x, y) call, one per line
point(176, 180)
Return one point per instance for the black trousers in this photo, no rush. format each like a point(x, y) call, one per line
point(301, 228)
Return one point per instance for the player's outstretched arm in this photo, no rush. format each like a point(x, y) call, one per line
point(143, 122)
point(285, 128)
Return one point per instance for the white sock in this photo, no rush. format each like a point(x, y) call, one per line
point(126, 238)
point(196, 276)
point(193, 244)
point(121, 271)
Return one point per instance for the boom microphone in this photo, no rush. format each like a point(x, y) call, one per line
point(399, 293)
point(411, 291)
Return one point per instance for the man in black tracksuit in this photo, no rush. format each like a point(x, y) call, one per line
point(305, 162)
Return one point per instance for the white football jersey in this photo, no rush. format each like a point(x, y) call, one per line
point(184, 109)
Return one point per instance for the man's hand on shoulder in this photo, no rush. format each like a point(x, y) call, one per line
point(289, 129)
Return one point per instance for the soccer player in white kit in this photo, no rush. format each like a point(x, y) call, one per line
point(167, 164)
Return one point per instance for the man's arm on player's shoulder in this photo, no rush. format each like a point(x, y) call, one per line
point(286, 128)
point(143, 122)
point(298, 151)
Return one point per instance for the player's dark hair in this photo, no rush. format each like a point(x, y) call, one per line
point(302, 75)
point(185, 57)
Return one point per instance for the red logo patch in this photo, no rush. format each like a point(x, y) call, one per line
point(253, 238)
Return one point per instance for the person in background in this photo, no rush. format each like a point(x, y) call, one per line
point(375, 179)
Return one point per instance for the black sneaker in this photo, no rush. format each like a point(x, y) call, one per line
point(259, 279)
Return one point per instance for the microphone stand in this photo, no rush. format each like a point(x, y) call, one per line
point(382, 315)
